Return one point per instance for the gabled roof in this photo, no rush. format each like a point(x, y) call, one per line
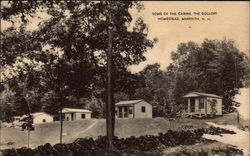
point(129, 102)
point(39, 113)
point(35, 114)
point(195, 94)
point(66, 110)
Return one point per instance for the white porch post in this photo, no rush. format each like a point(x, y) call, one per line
point(205, 105)
point(133, 111)
point(188, 105)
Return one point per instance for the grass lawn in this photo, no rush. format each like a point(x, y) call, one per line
point(49, 132)
point(44, 133)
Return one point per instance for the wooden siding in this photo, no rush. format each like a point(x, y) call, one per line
point(139, 113)
point(218, 105)
point(39, 119)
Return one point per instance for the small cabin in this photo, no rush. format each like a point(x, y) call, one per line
point(38, 118)
point(71, 114)
point(133, 109)
point(202, 104)
point(42, 117)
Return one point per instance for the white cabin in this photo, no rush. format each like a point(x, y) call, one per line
point(200, 104)
point(133, 109)
point(71, 114)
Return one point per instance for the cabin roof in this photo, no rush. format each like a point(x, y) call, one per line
point(128, 102)
point(39, 113)
point(34, 115)
point(74, 110)
point(196, 94)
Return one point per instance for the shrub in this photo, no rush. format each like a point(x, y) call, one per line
point(91, 147)
point(9, 152)
point(216, 131)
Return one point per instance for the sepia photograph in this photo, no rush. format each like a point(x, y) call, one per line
point(124, 78)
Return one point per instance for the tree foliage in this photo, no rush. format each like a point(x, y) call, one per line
point(215, 67)
point(69, 48)
point(154, 88)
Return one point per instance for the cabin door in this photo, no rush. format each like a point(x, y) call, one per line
point(192, 105)
point(72, 116)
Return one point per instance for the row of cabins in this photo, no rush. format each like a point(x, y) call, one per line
point(69, 114)
point(198, 104)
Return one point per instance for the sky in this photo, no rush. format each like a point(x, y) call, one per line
point(231, 21)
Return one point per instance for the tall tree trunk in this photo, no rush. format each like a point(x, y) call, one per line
point(28, 132)
point(113, 112)
point(60, 100)
point(61, 125)
point(109, 120)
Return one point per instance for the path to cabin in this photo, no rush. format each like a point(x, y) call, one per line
point(78, 135)
point(240, 139)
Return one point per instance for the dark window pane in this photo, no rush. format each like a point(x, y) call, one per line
point(125, 111)
point(83, 116)
point(143, 109)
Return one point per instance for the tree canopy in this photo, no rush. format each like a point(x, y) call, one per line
point(66, 55)
point(63, 61)
point(215, 66)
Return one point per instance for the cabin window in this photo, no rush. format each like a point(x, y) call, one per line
point(44, 120)
point(143, 109)
point(201, 103)
point(83, 116)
